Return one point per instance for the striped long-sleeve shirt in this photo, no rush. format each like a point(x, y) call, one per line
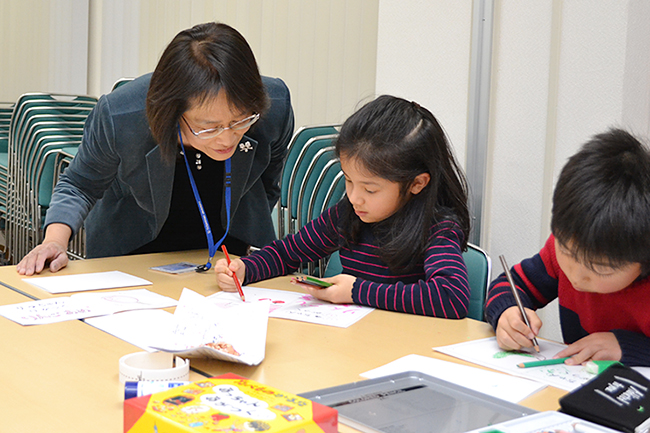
point(439, 287)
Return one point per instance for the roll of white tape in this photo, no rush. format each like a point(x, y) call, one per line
point(160, 366)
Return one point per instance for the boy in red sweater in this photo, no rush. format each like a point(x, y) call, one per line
point(596, 262)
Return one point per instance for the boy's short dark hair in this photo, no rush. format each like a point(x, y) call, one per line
point(601, 203)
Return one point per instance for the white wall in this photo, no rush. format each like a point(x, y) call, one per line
point(561, 72)
point(44, 47)
point(423, 51)
point(325, 51)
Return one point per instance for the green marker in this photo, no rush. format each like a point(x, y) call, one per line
point(542, 363)
point(312, 281)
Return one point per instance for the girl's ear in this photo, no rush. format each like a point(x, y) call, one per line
point(420, 181)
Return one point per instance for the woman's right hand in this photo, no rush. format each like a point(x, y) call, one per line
point(224, 273)
point(35, 261)
point(52, 250)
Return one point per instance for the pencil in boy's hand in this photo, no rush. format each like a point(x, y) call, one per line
point(234, 276)
point(542, 362)
point(513, 288)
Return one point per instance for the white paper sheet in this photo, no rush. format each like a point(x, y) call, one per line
point(83, 305)
point(296, 306)
point(85, 282)
point(498, 385)
point(197, 323)
point(138, 327)
point(486, 352)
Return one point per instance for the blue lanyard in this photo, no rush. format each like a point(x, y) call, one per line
point(212, 246)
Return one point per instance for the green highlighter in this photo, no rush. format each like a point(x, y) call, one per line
point(542, 362)
point(593, 367)
point(312, 281)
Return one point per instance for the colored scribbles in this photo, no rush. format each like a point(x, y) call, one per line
point(486, 352)
point(298, 306)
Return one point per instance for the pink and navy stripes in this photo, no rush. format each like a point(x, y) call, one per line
point(439, 287)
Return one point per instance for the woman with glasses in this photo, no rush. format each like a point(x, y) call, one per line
point(189, 153)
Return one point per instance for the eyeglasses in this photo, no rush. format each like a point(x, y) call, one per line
point(206, 134)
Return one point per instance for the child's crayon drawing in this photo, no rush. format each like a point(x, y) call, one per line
point(297, 306)
point(486, 352)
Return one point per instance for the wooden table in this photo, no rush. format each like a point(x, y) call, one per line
point(66, 374)
point(61, 377)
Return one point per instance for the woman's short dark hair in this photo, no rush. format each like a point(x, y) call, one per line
point(601, 203)
point(195, 66)
point(397, 140)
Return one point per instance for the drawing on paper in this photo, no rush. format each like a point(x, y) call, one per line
point(486, 352)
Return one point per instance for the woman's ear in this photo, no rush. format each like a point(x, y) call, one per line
point(420, 181)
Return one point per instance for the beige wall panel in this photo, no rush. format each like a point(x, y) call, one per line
point(44, 47)
point(324, 50)
point(423, 54)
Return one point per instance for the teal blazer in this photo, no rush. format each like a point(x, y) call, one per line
point(120, 186)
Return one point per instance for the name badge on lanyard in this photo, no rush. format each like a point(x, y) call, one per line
point(212, 246)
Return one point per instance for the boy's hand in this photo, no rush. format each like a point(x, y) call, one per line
point(599, 346)
point(512, 332)
point(224, 274)
point(339, 293)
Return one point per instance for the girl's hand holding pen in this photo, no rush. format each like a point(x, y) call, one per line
point(340, 292)
point(512, 333)
point(224, 273)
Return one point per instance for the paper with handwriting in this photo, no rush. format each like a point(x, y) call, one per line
point(486, 352)
point(203, 329)
point(296, 306)
point(82, 305)
point(85, 282)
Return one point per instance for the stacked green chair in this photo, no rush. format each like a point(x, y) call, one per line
point(42, 126)
point(316, 182)
point(321, 160)
point(120, 82)
point(299, 140)
point(6, 111)
point(299, 175)
point(329, 189)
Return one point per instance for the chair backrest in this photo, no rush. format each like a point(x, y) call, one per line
point(329, 189)
point(479, 267)
point(40, 124)
point(299, 172)
point(309, 187)
point(300, 138)
point(298, 141)
point(120, 82)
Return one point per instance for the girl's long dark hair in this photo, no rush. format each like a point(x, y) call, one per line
point(397, 140)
